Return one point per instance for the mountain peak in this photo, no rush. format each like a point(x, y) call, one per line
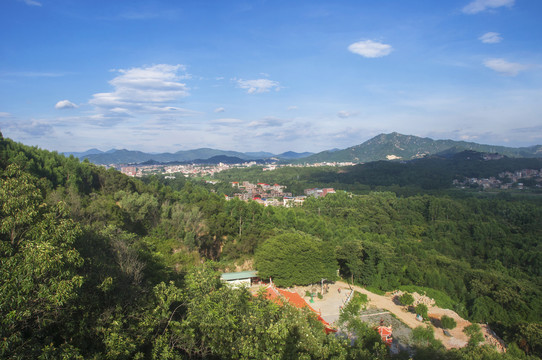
point(396, 146)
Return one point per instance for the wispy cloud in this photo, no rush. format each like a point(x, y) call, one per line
point(227, 121)
point(258, 85)
point(148, 89)
point(292, 107)
point(4, 114)
point(370, 49)
point(343, 114)
point(28, 127)
point(65, 104)
point(477, 6)
point(31, 2)
point(219, 110)
point(491, 38)
point(504, 67)
point(266, 122)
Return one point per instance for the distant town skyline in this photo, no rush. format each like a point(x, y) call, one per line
point(273, 76)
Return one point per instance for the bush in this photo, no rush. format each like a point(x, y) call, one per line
point(447, 322)
point(421, 309)
point(475, 334)
point(424, 337)
point(406, 299)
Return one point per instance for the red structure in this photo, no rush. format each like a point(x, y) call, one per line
point(279, 296)
point(385, 334)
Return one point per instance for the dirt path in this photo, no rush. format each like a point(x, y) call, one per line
point(330, 306)
point(458, 339)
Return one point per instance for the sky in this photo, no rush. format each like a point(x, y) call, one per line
point(276, 76)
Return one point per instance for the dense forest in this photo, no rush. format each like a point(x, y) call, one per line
point(95, 264)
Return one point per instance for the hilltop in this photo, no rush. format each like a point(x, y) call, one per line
point(396, 146)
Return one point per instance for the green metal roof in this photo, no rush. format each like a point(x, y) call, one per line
point(239, 275)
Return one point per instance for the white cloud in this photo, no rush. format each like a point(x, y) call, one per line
point(370, 49)
point(4, 114)
point(31, 2)
point(504, 67)
point(491, 38)
point(220, 110)
point(258, 85)
point(466, 137)
point(345, 114)
point(65, 104)
point(293, 107)
point(267, 122)
point(227, 121)
point(477, 6)
point(146, 89)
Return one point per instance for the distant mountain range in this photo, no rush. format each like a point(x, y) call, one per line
point(202, 155)
point(396, 146)
point(392, 146)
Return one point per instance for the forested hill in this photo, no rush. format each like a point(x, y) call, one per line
point(98, 265)
point(406, 147)
point(431, 173)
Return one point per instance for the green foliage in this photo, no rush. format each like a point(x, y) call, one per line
point(447, 322)
point(474, 332)
point(95, 264)
point(295, 258)
point(425, 337)
point(406, 299)
point(38, 277)
point(421, 309)
point(442, 299)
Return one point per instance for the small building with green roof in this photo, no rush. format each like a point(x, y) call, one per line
point(242, 278)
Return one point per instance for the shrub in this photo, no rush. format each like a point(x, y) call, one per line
point(421, 309)
point(406, 299)
point(447, 322)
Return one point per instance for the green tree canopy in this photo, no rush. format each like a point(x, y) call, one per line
point(447, 322)
point(295, 258)
point(38, 266)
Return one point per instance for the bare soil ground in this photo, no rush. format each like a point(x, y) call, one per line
point(336, 294)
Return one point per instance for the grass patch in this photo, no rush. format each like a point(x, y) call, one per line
point(376, 290)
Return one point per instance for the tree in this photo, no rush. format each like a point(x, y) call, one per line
point(423, 336)
point(38, 279)
point(475, 334)
point(421, 309)
point(447, 322)
point(406, 299)
point(350, 257)
point(295, 258)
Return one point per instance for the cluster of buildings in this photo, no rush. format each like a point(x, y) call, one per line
point(273, 195)
point(505, 180)
point(335, 163)
point(187, 170)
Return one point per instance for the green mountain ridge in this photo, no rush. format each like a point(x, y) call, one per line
point(396, 146)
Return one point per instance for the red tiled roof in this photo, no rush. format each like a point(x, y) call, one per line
point(294, 299)
point(385, 334)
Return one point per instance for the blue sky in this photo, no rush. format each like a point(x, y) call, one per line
point(268, 75)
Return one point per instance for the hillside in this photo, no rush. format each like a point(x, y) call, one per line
point(99, 265)
point(396, 146)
